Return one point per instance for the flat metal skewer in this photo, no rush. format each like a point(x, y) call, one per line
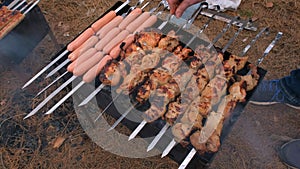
point(45, 68)
point(57, 68)
point(34, 111)
point(121, 118)
point(32, 6)
point(224, 30)
point(49, 85)
point(191, 154)
point(113, 100)
point(13, 3)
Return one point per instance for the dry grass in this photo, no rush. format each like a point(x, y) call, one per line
point(29, 143)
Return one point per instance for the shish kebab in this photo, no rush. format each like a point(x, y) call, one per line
point(91, 74)
point(144, 122)
point(170, 115)
point(81, 39)
point(195, 14)
point(204, 5)
point(173, 142)
point(204, 136)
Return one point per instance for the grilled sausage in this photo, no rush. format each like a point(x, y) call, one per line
point(94, 71)
point(88, 64)
point(138, 21)
point(131, 17)
point(112, 24)
point(113, 33)
point(115, 41)
point(103, 21)
point(80, 39)
point(84, 47)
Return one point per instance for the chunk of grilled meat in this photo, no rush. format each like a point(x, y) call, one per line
point(132, 80)
point(169, 42)
point(175, 109)
point(192, 116)
point(162, 96)
point(112, 73)
point(181, 131)
point(148, 40)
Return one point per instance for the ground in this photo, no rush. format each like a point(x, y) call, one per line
point(252, 143)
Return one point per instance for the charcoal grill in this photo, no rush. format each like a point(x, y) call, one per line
point(179, 152)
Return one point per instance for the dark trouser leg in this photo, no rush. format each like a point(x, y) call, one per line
point(291, 86)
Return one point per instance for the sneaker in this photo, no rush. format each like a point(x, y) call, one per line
point(268, 92)
point(289, 154)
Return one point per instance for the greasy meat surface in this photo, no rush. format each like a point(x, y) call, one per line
point(181, 131)
point(192, 117)
point(169, 42)
point(171, 63)
point(148, 40)
point(175, 109)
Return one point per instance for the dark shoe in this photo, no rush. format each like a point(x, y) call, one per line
point(268, 92)
point(289, 154)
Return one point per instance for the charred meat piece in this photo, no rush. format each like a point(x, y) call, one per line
point(148, 40)
point(192, 116)
point(132, 80)
point(175, 109)
point(171, 63)
point(238, 91)
point(181, 131)
point(169, 42)
point(112, 73)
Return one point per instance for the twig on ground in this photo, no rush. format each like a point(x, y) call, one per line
point(2, 163)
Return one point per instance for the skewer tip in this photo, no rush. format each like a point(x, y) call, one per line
point(149, 148)
point(131, 137)
point(164, 154)
point(111, 128)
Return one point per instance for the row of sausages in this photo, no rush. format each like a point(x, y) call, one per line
point(101, 42)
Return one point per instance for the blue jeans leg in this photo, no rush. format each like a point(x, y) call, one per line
point(291, 86)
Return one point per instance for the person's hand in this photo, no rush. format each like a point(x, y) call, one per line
point(177, 7)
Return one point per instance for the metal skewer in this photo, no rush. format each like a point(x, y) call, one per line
point(244, 51)
point(266, 52)
point(44, 89)
point(62, 54)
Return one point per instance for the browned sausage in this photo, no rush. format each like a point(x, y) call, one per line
point(88, 64)
point(148, 23)
point(112, 24)
point(84, 47)
point(80, 39)
point(138, 22)
point(131, 16)
point(94, 71)
point(114, 53)
point(82, 58)
point(103, 21)
point(115, 41)
point(113, 33)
